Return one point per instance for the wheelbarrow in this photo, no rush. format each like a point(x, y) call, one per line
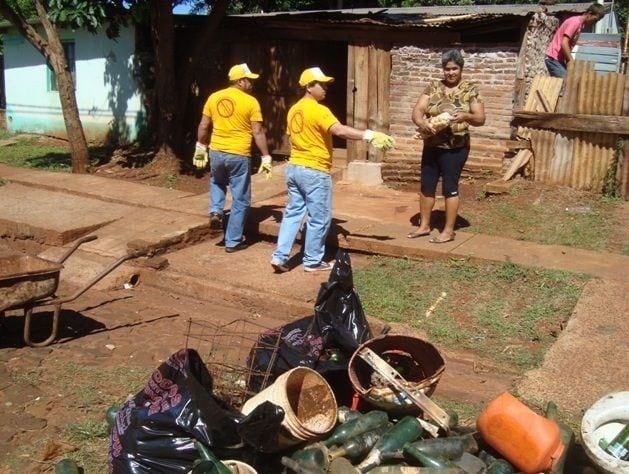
point(28, 282)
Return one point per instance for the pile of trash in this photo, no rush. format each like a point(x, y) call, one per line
point(335, 399)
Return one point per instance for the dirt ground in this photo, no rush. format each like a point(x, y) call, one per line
point(52, 399)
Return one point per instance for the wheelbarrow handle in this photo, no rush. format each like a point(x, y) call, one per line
point(100, 276)
point(76, 245)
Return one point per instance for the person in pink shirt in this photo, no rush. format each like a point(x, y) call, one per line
point(559, 51)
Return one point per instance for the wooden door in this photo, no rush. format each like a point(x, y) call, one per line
point(368, 73)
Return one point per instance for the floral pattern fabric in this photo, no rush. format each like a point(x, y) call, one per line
point(458, 99)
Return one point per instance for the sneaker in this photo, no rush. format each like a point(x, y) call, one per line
point(216, 223)
point(279, 267)
point(241, 246)
point(321, 267)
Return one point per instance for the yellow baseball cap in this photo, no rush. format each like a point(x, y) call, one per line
point(240, 71)
point(313, 74)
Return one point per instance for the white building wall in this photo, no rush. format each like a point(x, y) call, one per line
point(107, 94)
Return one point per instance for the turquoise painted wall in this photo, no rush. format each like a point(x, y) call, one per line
point(107, 94)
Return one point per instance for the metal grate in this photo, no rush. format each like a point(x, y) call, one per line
point(226, 350)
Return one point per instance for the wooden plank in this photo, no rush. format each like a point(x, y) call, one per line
point(351, 70)
point(543, 101)
point(383, 121)
point(550, 88)
point(517, 144)
point(624, 171)
point(573, 122)
point(499, 186)
point(361, 97)
point(520, 160)
point(568, 102)
point(372, 96)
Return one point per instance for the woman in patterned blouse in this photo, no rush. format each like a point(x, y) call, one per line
point(445, 149)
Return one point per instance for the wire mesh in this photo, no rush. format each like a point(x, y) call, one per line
point(226, 349)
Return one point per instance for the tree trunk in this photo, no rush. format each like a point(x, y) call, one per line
point(188, 63)
point(65, 83)
point(162, 33)
point(74, 128)
point(52, 50)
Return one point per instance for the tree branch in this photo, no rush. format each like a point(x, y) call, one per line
point(17, 20)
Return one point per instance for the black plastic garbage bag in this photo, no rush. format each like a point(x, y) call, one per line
point(323, 342)
point(155, 431)
point(339, 316)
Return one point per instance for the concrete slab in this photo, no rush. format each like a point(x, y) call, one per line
point(26, 214)
point(588, 361)
point(99, 187)
point(157, 228)
point(251, 281)
point(599, 264)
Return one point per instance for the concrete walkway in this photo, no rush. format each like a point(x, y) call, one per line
point(368, 219)
point(56, 209)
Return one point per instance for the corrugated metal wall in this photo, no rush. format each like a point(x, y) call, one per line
point(580, 160)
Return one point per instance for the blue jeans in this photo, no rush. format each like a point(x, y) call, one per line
point(555, 68)
point(233, 171)
point(309, 194)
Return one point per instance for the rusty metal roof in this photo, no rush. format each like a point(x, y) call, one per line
point(417, 16)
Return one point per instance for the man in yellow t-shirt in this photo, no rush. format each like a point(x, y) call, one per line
point(310, 126)
point(234, 117)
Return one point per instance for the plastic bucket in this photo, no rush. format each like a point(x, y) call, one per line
point(527, 440)
point(309, 405)
point(419, 361)
point(603, 420)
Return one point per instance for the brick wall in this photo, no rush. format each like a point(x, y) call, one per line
point(492, 69)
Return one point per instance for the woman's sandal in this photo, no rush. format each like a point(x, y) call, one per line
point(437, 240)
point(414, 235)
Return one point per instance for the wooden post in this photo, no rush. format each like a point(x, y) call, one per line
point(351, 89)
point(361, 98)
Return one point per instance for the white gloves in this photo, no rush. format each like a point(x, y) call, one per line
point(200, 157)
point(266, 166)
point(379, 140)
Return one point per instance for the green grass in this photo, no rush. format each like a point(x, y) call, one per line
point(546, 222)
point(29, 152)
point(90, 391)
point(505, 313)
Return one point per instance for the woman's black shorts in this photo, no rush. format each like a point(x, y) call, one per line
point(447, 163)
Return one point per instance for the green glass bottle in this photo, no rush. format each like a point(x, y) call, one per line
point(450, 447)
point(67, 466)
point(428, 460)
point(403, 432)
point(209, 464)
point(358, 446)
point(110, 414)
point(315, 456)
point(402, 469)
point(359, 425)
point(619, 446)
point(499, 466)
point(298, 468)
point(346, 414)
point(565, 434)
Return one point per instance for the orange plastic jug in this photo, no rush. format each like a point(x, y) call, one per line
point(527, 440)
